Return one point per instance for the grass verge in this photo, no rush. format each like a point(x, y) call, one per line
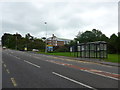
point(111, 57)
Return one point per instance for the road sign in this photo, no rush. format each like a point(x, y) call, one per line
point(71, 49)
point(25, 49)
point(49, 45)
point(78, 48)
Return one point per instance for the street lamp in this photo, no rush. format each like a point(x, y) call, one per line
point(16, 41)
point(78, 48)
point(46, 39)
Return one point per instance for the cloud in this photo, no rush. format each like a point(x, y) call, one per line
point(64, 19)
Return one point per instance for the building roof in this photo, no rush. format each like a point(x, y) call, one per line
point(61, 39)
point(96, 42)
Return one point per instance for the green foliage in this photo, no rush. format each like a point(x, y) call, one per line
point(97, 35)
point(61, 49)
point(113, 44)
point(72, 43)
point(16, 41)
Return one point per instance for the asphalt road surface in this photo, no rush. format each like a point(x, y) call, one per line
point(30, 70)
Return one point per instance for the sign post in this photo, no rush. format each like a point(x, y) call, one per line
point(50, 48)
point(71, 50)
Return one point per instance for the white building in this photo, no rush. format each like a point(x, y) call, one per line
point(55, 41)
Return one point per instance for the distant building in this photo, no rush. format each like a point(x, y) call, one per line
point(55, 41)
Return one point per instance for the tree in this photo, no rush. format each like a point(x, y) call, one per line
point(8, 40)
point(16, 41)
point(91, 36)
point(72, 43)
point(112, 44)
point(104, 38)
point(85, 37)
point(98, 34)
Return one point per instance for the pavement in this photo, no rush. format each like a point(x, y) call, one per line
point(32, 70)
point(100, 61)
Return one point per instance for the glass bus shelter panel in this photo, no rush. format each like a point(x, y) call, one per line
point(92, 46)
point(92, 50)
point(78, 48)
point(105, 54)
point(92, 54)
point(97, 54)
point(83, 54)
point(105, 46)
point(98, 47)
point(87, 47)
point(82, 48)
point(102, 54)
point(101, 46)
point(87, 54)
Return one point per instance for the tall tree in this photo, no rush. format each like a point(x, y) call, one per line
point(118, 42)
point(98, 34)
point(16, 41)
point(112, 44)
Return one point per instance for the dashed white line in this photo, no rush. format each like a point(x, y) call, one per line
point(32, 64)
point(63, 65)
point(73, 81)
point(14, 82)
point(7, 71)
point(5, 65)
point(17, 57)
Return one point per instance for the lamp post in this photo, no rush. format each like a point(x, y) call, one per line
point(77, 47)
point(46, 39)
point(16, 41)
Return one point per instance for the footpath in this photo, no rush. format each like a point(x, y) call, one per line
point(100, 61)
point(103, 62)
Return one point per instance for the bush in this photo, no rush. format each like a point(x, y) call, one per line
point(61, 49)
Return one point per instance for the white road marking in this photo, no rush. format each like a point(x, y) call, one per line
point(14, 82)
point(7, 71)
point(32, 64)
point(73, 81)
point(100, 75)
point(16, 57)
point(64, 64)
point(5, 65)
point(90, 71)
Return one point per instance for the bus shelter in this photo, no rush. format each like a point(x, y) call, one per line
point(96, 49)
point(93, 49)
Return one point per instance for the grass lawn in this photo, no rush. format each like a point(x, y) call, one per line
point(111, 57)
point(60, 54)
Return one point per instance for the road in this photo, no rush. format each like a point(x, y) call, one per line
point(29, 70)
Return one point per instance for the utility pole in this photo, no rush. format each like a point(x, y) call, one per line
point(16, 41)
point(77, 47)
point(46, 38)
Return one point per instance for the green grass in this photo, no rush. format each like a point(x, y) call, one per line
point(111, 57)
point(60, 54)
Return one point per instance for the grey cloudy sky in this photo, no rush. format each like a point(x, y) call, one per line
point(64, 18)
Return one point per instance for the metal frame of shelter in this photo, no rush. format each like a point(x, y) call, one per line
point(96, 49)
